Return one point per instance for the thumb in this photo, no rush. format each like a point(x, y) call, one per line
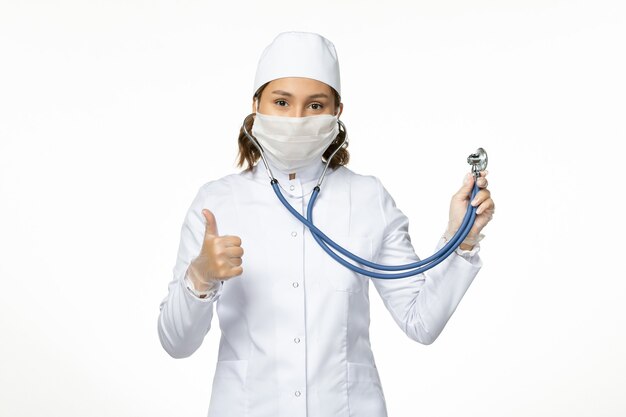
point(466, 188)
point(211, 224)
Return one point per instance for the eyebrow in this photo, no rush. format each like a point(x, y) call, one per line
point(285, 93)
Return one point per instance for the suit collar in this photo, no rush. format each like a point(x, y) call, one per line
point(309, 173)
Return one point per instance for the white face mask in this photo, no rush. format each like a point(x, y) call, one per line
point(291, 143)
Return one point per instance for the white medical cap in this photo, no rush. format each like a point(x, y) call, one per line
point(299, 54)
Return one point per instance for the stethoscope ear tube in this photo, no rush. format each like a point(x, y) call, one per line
point(255, 142)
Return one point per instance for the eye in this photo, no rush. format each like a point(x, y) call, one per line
point(317, 104)
point(280, 101)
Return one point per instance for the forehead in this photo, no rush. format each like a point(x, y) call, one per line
point(299, 85)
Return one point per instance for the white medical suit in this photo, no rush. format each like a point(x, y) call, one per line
point(295, 325)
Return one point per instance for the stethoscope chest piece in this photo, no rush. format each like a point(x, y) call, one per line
point(478, 161)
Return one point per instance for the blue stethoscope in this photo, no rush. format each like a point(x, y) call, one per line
point(477, 160)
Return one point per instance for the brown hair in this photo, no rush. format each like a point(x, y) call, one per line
point(250, 154)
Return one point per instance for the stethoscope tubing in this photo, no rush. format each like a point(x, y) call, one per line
point(425, 264)
point(324, 241)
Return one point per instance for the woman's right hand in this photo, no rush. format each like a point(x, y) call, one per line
point(219, 258)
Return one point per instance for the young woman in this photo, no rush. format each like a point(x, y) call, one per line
point(294, 322)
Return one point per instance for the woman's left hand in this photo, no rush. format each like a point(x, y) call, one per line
point(482, 199)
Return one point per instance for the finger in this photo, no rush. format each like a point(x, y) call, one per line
point(480, 196)
point(238, 270)
point(231, 240)
point(482, 182)
point(486, 205)
point(234, 251)
point(211, 223)
point(236, 261)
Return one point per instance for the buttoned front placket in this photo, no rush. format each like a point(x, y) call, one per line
point(291, 339)
point(289, 289)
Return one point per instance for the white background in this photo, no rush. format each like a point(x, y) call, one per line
point(114, 113)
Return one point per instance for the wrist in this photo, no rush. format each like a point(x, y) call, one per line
point(198, 283)
point(210, 292)
point(468, 243)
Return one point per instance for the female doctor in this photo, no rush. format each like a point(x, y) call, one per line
point(294, 322)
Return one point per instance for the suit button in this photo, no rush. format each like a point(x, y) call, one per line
point(294, 233)
point(291, 187)
point(297, 340)
point(295, 285)
point(297, 393)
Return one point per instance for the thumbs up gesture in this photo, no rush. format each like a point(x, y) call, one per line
point(219, 258)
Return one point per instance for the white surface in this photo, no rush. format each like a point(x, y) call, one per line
point(105, 113)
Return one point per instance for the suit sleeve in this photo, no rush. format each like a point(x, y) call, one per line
point(421, 304)
point(185, 319)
